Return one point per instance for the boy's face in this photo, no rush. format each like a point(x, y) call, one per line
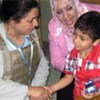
point(82, 41)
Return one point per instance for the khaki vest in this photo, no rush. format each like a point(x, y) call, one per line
point(14, 68)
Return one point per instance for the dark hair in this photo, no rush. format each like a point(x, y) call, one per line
point(89, 23)
point(16, 9)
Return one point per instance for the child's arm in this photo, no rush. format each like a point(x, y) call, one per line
point(65, 81)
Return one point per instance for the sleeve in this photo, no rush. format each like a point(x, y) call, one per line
point(88, 74)
point(42, 72)
point(68, 69)
point(10, 90)
point(56, 56)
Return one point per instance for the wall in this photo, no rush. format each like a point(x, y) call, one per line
point(45, 17)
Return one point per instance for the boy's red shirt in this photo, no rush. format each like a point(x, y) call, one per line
point(84, 69)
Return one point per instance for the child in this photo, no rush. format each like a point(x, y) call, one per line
point(83, 62)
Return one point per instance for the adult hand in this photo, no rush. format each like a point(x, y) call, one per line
point(38, 98)
point(38, 93)
point(49, 89)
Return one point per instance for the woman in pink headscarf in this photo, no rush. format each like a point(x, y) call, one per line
point(64, 15)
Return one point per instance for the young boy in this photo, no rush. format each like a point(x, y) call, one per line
point(83, 62)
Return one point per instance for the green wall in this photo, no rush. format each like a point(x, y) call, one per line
point(45, 17)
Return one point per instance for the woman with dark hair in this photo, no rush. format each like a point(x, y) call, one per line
point(23, 66)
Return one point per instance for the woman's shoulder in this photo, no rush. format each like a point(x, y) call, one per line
point(1, 25)
point(52, 27)
point(91, 6)
point(52, 23)
point(2, 30)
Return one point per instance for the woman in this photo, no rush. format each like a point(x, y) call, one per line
point(65, 14)
point(22, 62)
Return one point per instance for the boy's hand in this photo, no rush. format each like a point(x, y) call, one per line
point(87, 96)
point(90, 95)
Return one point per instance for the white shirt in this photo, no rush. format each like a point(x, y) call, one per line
point(10, 90)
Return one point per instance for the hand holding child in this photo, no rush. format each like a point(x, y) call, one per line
point(38, 93)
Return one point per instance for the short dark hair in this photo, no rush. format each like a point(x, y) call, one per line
point(89, 23)
point(16, 9)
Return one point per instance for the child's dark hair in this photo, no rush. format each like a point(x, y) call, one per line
point(16, 9)
point(89, 23)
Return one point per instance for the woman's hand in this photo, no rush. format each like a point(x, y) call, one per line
point(49, 89)
point(38, 93)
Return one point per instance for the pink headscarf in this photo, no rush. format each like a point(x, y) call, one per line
point(79, 8)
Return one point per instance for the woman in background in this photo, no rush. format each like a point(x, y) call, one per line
point(61, 28)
